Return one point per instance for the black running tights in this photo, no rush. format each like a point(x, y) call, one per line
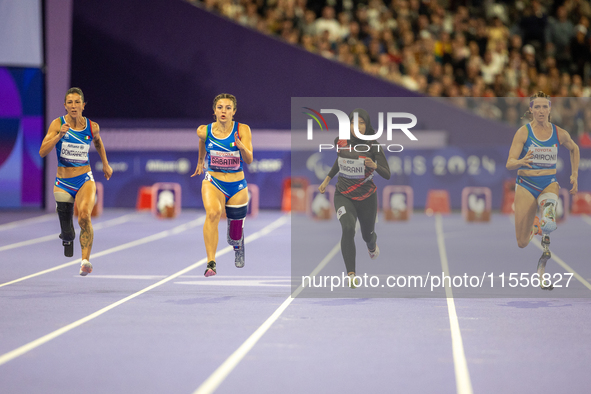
point(348, 211)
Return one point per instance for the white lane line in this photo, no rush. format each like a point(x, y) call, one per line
point(200, 277)
point(463, 382)
point(54, 237)
point(566, 267)
point(24, 222)
point(125, 277)
point(220, 374)
point(141, 241)
point(257, 283)
point(587, 219)
point(6, 357)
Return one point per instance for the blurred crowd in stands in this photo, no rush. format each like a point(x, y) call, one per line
point(442, 48)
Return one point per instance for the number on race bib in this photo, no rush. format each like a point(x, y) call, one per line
point(224, 160)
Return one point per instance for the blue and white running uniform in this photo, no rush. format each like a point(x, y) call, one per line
point(72, 151)
point(545, 157)
point(72, 185)
point(223, 156)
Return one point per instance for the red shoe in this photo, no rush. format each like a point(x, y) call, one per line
point(210, 270)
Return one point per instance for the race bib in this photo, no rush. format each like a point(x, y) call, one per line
point(74, 153)
point(544, 156)
point(341, 211)
point(352, 168)
point(224, 160)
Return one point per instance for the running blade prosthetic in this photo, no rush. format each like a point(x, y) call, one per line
point(239, 254)
point(546, 255)
point(68, 247)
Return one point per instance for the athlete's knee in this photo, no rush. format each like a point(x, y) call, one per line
point(84, 218)
point(213, 214)
point(369, 236)
point(348, 228)
point(522, 243)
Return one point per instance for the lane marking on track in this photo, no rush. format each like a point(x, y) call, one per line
point(200, 278)
point(46, 338)
point(220, 374)
point(37, 219)
point(566, 267)
point(558, 260)
point(55, 237)
point(240, 282)
point(463, 382)
point(141, 241)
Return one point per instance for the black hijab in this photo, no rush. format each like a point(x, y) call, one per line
point(369, 130)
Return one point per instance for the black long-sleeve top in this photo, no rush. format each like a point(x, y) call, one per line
point(363, 187)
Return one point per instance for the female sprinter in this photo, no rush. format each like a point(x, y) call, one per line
point(71, 135)
point(355, 196)
point(534, 153)
point(223, 146)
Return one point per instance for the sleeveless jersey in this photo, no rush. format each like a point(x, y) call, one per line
point(545, 152)
point(72, 149)
point(222, 154)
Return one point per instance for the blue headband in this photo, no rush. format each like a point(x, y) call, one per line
point(531, 103)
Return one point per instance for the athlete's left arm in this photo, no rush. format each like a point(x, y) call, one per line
point(382, 165)
point(98, 144)
point(568, 143)
point(244, 143)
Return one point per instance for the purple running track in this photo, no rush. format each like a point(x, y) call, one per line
point(173, 337)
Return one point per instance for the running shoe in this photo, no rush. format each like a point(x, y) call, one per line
point(375, 253)
point(210, 270)
point(352, 281)
point(85, 267)
point(548, 222)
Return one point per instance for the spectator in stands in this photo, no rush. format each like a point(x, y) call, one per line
point(560, 32)
point(344, 25)
point(328, 23)
point(530, 61)
point(580, 50)
point(411, 79)
point(309, 24)
point(533, 25)
point(497, 33)
point(401, 40)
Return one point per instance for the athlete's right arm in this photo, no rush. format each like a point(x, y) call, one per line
point(333, 171)
point(513, 162)
point(202, 134)
point(54, 134)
